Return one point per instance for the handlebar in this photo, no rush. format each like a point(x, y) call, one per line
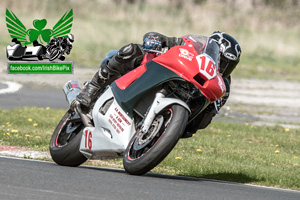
point(154, 51)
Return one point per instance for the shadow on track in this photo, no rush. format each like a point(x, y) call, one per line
point(233, 178)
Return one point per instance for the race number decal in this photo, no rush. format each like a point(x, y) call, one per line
point(88, 139)
point(206, 66)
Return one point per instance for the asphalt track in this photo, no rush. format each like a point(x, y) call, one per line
point(36, 180)
point(31, 95)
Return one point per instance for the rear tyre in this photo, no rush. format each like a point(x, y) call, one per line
point(40, 57)
point(146, 150)
point(65, 141)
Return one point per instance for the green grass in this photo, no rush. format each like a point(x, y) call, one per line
point(28, 127)
point(262, 155)
point(240, 153)
point(268, 65)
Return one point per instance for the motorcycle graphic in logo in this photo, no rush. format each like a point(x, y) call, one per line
point(46, 43)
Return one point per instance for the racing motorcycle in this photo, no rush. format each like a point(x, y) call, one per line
point(143, 114)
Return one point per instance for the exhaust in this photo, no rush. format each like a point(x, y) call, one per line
point(71, 90)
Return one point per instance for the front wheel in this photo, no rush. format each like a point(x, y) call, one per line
point(146, 150)
point(54, 54)
point(65, 141)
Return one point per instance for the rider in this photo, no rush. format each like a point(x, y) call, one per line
point(65, 43)
point(130, 56)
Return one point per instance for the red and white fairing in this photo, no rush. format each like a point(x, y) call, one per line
point(193, 62)
point(190, 61)
point(114, 131)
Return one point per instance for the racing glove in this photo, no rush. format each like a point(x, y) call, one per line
point(152, 42)
point(165, 41)
point(221, 102)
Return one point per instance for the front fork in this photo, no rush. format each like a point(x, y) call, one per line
point(160, 102)
point(151, 114)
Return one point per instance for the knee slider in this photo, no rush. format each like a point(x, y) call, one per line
point(128, 57)
point(128, 53)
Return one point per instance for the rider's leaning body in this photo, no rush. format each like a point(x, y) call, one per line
point(130, 56)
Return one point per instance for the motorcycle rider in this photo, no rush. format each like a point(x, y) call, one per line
point(130, 56)
point(64, 43)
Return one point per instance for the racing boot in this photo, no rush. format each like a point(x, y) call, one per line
point(91, 90)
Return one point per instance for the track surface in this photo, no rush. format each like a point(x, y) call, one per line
point(34, 180)
point(30, 95)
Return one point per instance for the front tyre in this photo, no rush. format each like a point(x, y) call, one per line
point(54, 54)
point(65, 141)
point(146, 150)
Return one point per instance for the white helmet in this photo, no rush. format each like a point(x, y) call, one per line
point(70, 38)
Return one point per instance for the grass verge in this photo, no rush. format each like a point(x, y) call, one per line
point(262, 155)
point(28, 127)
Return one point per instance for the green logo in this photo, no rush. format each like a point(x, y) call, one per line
point(26, 36)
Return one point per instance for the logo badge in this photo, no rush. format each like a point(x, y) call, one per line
point(186, 54)
point(230, 56)
point(38, 43)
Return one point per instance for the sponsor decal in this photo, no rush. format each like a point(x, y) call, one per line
point(222, 86)
point(118, 121)
point(230, 56)
point(186, 54)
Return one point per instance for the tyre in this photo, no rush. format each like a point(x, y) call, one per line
point(65, 141)
point(62, 58)
point(147, 150)
point(40, 57)
point(54, 54)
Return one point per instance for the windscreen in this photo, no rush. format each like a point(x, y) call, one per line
point(205, 45)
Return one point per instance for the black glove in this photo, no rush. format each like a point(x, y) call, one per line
point(221, 102)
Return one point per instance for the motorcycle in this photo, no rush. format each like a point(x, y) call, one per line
point(142, 115)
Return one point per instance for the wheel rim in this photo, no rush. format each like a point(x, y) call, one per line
point(143, 142)
point(143, 139)
point(67, 131)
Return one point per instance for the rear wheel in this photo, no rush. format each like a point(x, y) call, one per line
point(146, 150)
point(40, 57)
point(65, 141)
